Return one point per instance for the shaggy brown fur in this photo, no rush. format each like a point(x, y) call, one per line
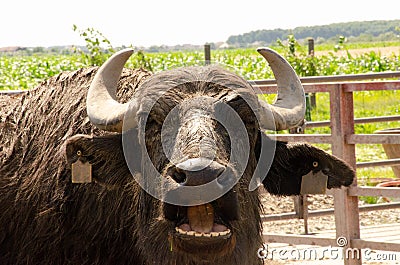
point(45, 219)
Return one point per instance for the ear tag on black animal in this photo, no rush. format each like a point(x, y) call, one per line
point(314, 183)
point(81, 171)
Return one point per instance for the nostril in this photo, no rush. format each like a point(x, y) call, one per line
point(179, 176)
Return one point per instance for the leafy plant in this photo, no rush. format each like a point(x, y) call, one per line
point(94, 39)
point(369, 199)
point(96, 54)
point(341, 44)
point(139, 60)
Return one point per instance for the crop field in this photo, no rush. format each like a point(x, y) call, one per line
point(25, 72)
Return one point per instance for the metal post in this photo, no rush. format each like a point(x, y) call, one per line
point(207, 53)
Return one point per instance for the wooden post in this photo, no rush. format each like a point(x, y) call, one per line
point(305, 213)
point(346, 207)
point(313, 100)
point(300, 201)
point(301, 209)
point(311, 46)
point(207, 53)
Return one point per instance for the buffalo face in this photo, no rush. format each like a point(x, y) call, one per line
point(187, 139)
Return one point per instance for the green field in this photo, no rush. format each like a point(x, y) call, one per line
point(25, 72)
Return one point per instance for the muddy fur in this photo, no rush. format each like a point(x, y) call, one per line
point(45, 219)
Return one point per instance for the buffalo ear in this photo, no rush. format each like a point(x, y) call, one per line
point(90, 149)
point(292, 161)
point(105, 155)
point(78, 147)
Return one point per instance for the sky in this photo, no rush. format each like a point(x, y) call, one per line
point(45, 23)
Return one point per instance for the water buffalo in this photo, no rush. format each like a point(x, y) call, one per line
point(167, 165)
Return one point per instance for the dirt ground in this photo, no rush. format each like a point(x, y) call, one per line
point(275, 205)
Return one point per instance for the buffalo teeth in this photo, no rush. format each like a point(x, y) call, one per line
point(225, 232)
point(180, 231)
point(197, 234)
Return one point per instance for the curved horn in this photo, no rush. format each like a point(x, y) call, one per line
point(102, 107)
point(290, 106)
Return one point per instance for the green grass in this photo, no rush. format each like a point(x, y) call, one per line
point(366, 104)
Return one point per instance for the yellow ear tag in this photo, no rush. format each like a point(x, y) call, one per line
point(314, 183)
point(81, 172)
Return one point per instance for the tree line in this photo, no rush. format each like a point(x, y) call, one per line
point(379, 30)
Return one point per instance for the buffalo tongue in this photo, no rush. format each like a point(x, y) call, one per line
point(201, 218)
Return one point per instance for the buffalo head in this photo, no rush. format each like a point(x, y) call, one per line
point(193, 139)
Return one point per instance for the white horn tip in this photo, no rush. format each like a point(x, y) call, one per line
point(268, 52)
point(262, 50)
point(127, 51)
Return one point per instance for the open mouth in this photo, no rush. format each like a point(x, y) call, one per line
point(204, 230)
point(202, 221)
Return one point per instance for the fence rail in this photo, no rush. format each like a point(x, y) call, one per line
point(335, 78)
point(314, 124)
point(324, 212)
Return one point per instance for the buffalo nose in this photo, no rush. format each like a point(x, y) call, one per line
point(196, 171)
